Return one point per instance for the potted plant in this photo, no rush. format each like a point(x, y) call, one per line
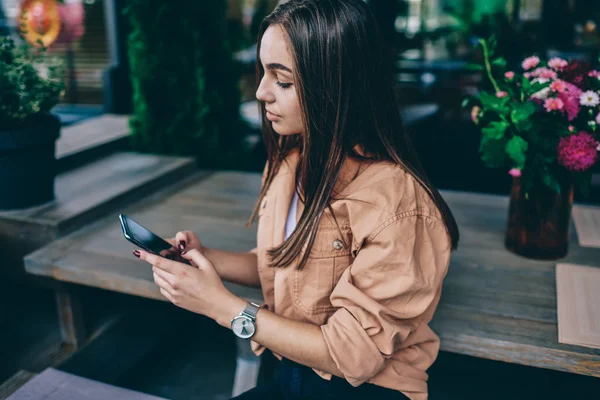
point(30, 85)
point(541, 124)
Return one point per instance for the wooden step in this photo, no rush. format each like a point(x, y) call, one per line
point(53, 384)
point(13, 384)
point(87, 193)
point(91, 139)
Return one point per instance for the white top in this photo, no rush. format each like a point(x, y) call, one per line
point(290, 224)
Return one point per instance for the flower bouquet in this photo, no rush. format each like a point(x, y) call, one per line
point(542, 125)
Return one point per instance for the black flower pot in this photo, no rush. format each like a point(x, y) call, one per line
point(28, 163)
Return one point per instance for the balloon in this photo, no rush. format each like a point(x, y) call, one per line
point(72, 22)
point(40, 21)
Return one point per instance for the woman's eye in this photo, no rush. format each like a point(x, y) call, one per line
point(283, 85)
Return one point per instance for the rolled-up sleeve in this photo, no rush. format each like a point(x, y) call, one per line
point(389, 290)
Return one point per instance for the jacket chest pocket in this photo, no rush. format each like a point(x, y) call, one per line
point(329, 258)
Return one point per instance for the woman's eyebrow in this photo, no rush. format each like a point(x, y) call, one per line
point(278, 66)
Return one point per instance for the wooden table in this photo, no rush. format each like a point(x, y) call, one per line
point(501, 306)
point(494, 305)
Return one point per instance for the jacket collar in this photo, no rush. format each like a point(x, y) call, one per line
point(285, 186)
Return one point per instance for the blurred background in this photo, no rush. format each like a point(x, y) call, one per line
point(178, 78)
point(431, 41)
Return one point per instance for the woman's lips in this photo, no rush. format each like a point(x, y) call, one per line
point(272, 117)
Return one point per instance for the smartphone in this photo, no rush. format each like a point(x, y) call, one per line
point(145, 238)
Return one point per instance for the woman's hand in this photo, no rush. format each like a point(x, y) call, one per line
point(199, 290)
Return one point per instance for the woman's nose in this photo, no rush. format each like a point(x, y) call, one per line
point(263, 94)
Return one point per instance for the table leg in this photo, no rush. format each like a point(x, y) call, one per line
point(70, 317)
point(246, 369)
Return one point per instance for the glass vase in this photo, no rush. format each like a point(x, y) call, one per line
point(538, 225)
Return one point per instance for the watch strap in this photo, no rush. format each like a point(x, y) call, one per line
point(251, 310)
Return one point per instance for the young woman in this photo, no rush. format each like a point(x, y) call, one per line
point(353, 240)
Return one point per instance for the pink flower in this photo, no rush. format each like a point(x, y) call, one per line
point(515, 172)
point(530, 62)
point(553, 104)
point(577, 152)
point(571, 128)
point(594, 74)
point(544, 73)
point(570, 98)
point(557, 63)
point(502, 94)
point(509, 75)
point(598, 118)
point(558, 86)
point(527, 75)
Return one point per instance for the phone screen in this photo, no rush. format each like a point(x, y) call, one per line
point(142, 236)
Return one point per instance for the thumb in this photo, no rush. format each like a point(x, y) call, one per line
point(198, 258)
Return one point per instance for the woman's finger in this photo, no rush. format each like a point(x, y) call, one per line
point(183, 239)
point(172, 241)
point(198, 258)
point(167, 295)
point(160, 282)
point(158, 261)
point(164, 276)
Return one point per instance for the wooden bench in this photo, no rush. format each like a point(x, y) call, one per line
point(214, 205)
point(495, 304)
point(52, 384)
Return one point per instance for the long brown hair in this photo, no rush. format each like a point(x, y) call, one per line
point(345, 89)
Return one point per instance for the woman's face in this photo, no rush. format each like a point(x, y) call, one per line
point(276, 88)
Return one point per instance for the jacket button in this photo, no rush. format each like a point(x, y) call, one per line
point(338, 245)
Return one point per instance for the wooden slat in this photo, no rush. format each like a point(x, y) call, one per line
point(494, 304)
point(512, 340)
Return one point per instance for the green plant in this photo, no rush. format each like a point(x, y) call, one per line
point(31, 83)
point(185, 83)
point(541, 123)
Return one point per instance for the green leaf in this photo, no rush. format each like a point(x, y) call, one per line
point(521, 116)
point(495, 130)
point(492, 44)
point(525, 84)
point(500, 62)
point(516, 148)
point(492, 151)
point(493, 103)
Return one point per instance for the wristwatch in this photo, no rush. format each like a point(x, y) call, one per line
point(244, 325)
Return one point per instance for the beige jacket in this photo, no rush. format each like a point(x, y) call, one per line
point(374, 286)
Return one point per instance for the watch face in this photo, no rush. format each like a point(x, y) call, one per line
point(243, 327)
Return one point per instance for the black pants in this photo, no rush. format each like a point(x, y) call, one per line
point(296, 381)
